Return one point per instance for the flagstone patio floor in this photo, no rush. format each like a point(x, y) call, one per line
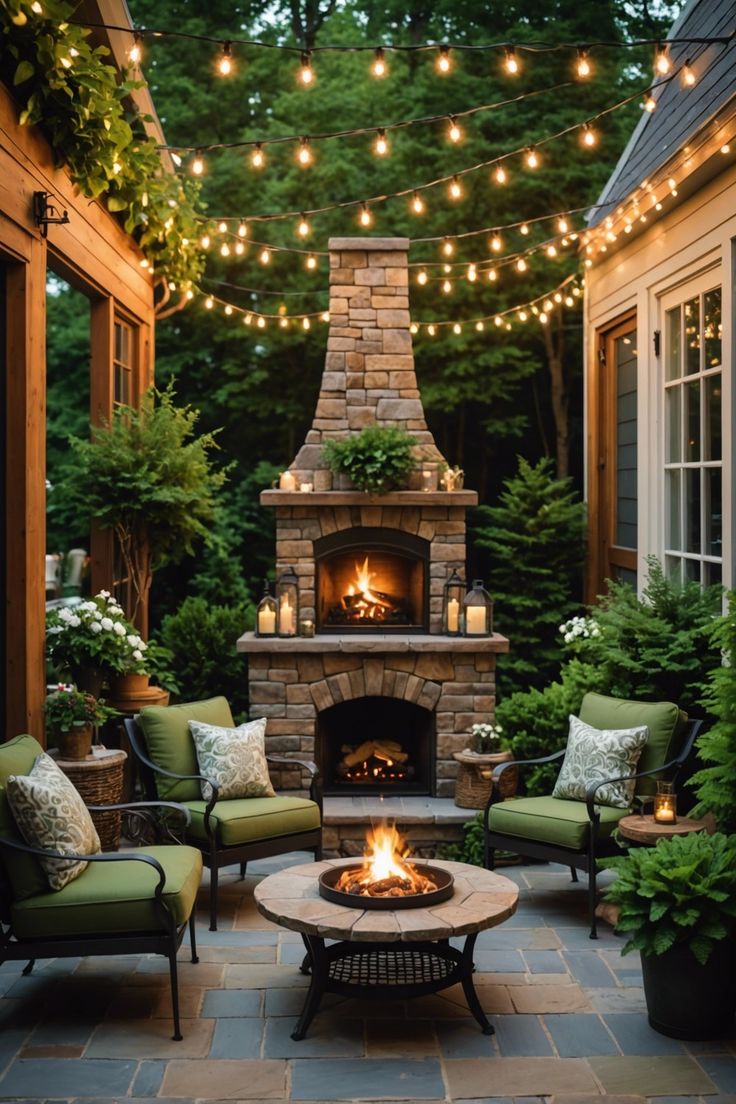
point(569, 1014)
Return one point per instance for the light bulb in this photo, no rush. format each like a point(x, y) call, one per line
point(480, 326)
point(365, 217)
point(532, 158)
point(306, 323)
point(325, 316)
point(243, 229)
point(582, 64)
point(413, 329)
point(551, 251)
point(379, 67)
point(472, 273)
point(311, 262)
point(563, 225)
point(511, 61)
point(523, 316)
point(548, 305)
point(447, 269)
point(524, 229)
point(725, 148)
point(222, 227)
point(264, 256)
point(588, 136)
point(543, 317)
point(446, 287)
point(36, 8)
point(662, 63)
point(304, 153)
point(422, 277)
point(228, 309)
point(381, 146)
point(205, 241)
point(431, 330)
point(688, 76)
point(454, 133)
point(569, 301)
point(225, 65)
point(261, 323)
point(650, 103)
point(444, 64)
point(239, 248)
point(224, 250)
point(500, 175)
point(303, 227)
point(457, 328)
point(284, 323)
point(492, 275)
point(498, 320)
point(521, 265)
point(209, 302)
point(455, 189)
point(247, 319)
point(135, 53)
point(190, 293)
point(197, 165)
point(258, 157)
point(417, 204)
point(496, 243)
point(448, 247)
point(306, 72)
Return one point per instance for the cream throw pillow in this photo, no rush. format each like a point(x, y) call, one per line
point(593, 754)
point(50, 814)
point(233, 758)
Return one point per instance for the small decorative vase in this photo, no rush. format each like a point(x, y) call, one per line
point(76, 742)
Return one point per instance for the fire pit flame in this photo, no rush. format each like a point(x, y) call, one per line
point(385, 871)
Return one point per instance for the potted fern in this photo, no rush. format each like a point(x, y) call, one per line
point(677, 902)
point(376, 460)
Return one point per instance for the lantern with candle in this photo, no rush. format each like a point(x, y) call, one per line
point(453, 604)
point(478, 607)
point(287, 481)
point(266, 613)
point(665, 804)
point(287, 601)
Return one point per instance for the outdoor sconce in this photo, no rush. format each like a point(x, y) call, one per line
point(287, 601)
point(453, 604)
point(665, 804)
point(478, 606)
point(266, 613)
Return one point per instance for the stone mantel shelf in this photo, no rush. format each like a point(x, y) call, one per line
point(359, 498)
point(373, 643)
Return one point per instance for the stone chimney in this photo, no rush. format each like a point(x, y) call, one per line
point(369, 367)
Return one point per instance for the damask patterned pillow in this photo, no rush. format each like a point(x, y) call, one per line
point(233, 758)
point(50, 814)
point(594, 754)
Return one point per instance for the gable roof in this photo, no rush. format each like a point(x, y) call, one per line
point(680, 112)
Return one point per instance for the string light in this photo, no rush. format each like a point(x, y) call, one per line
point(261, 322)
point(444, 64)
point(662, 63)
point(417, 204)
point(303, 228)
point(448, 247)
point(135, 53)
point(455, 189)
point(265, 256)
point(492, 275)
point(422, 276)
point(240, 248)
point(563, 225)
point(413, 328)
point(224, 250)
point(197, 165)
point(209, 302)
point(447, 287)
point(457, 328)
point(687, 74)
point(531, 158)
point(551, 251)
point(480, 326)
point(588, 136)
point(311, 262)
point(454, 133)
point(521, 265)
point(500, 175)
point(228, 309)
point(306, 323)
point(365, 218)
point(431, 330)
point(582, 65)
point(381, 146)
point(472, 273)
point(225, 65)
point(379, 67)
point(524, 229)
point(511, 61)
point(650, 103)
point(304, 153)
point(306, 72)
point(496, 242)
point(205, 241)
point(258, 157)
point(243, 229)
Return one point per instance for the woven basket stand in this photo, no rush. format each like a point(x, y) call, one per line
point(99, 780)
point(473, 784)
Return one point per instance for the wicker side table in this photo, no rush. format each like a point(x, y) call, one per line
point(473, 783)
point(99, 779)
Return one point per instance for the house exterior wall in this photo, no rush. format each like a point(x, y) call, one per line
point(685, 242)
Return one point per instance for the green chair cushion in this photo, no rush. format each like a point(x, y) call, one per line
point(554, 820)
point(665, 721)
point(111, 897)
point(170, 745)
point(25, 873)
point(250, 819)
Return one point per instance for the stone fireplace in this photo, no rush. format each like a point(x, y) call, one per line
point(380, 697)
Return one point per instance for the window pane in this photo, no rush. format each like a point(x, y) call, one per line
point(713, 417)
point(692, 570)
point(626, 462)
point(673, 398)
point(672, 344)
point(692, 420)
point(674, 519)
point(118, 341)
point(692, 510)
point(712, 328)
point(712, 573)
point(692, 336)
point(713, 514)
point(673, 565)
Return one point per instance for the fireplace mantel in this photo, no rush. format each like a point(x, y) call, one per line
point(377, 643)
point(358, 498)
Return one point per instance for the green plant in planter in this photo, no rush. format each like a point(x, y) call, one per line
point(377, 460)
point(715, 783)
point(487, 739)
point(66, 709)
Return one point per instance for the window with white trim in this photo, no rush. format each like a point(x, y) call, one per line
point(693, 448)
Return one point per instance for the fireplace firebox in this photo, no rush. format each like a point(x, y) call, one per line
point(372, 580)
point(376, 745)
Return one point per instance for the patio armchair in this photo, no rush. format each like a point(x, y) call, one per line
point(579, 833)
point(231, 831)
point(124, 902)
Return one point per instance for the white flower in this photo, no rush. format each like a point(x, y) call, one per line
point(64, 613)
point(88, 607)
point(137, 654)
point(74, 621)
point(95, 627)
point(97, 615)
point(142, 644)
point(54, 630)
point(119, 629)
point(111, 600)
point(103, 594)
point(133, 641)
point(106, 624)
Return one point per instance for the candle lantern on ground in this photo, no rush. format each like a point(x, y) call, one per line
point(478, 610)
point(665, 804)
point(453, 604)
point(266, 613)
point(287, 601)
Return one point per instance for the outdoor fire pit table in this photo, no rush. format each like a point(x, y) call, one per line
point(394, 952)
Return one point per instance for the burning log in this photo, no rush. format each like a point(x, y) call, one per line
point(387, 750)
point(385, 871)
point(357, 882)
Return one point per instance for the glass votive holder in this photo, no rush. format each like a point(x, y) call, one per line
point(429, 479)
point(665, 804)
point(306, 628)
point(306, 488)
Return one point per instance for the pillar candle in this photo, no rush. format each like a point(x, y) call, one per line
point(286, 616)
point(287, 481)
point(453, 615)
point(266, 621)
point(475, 620)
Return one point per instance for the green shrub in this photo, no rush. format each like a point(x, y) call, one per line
point(715, 783)
point(377, 460)
point(536, 541)
point(204, 662)
point(471, 849)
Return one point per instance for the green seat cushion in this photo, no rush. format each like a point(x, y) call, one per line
point(552, 820)
point(665, 721)
point(25, 873)
point(170, 745)
point(249, 819)
point(112, 897)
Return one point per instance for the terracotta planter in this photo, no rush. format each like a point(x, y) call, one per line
point(128, 686)
point(131, 693)
point(473, 786)
point(75, 743)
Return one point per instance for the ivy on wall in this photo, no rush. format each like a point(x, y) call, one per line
point(83, 105)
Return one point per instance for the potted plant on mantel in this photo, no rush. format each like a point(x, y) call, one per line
point(377, 460)
point(487, 749)
point(71, 716)
point(678, 902)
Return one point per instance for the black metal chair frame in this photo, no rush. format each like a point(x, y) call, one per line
point(588, 859)
point(215, 855)
point(165, 942)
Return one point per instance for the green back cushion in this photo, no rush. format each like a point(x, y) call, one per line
point(24, 871)
point(666, 724)
point(170, 745)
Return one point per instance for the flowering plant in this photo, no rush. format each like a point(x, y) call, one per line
point(487, 738)
point(67, 708)
point(94, 633)
point(578, 628)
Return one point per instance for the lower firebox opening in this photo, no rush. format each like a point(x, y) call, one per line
point(376, 745)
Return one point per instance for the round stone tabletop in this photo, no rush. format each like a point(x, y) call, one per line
point(481, 899)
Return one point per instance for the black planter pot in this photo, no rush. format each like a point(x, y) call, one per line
point(687, 1000)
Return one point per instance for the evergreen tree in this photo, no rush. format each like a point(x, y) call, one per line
point(715, 783)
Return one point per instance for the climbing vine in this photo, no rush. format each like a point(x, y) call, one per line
point(84, 106)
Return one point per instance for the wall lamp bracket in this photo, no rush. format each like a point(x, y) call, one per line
point(45, 214)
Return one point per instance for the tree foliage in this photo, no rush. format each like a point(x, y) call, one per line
point(715, 783)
